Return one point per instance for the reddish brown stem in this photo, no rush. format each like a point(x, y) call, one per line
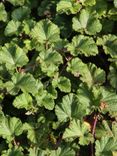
point(93, 133)
point(94, 124)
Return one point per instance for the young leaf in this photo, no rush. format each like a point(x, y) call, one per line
point(13, 152)
point(70, 108)
point(89, 72)
point(100, 7)
point(45, 99)
point(12, 28)
point(68, 6)
point(88, 2)
point(37, 132)
point(88, 22)
point(62, 83)
point(80, 130)
point(48, 102)
point(49, 61)
point(45, 32)
point(10, 127)
point(109, 43)
point(16, 2)
point(105, 146)
point(35, 151)
point(23, 81)
point(63, 151)
point(112, 75)
point(24, 100)
point(20, 13)
point(109, 98)
point(82, 45)
point(13, 56)
point(115, 3)
point(3, 13)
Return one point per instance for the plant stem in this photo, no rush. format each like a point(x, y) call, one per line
point(93, 133)
point(94, 125)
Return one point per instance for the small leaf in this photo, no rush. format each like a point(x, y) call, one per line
point(12, 152)
point(10, 127)
point(16, 2)
point(88, 2)
point(20, 13)
point(49, 61)
point(63, 151)
point(24, 100)
point(70, 108)
point(89, 72)
point(110, 100)
point(45, 32)
point(101, 7)
point(115, 3)
point(62, 83)
point(88, 22)
point(68, 6)
point(82, 45)
point(37, 132)
point(80, 130)
point(112, 75)
point(48, 102)
point(12, 28)
point(109, 43)
point(23, 81)
point(13, 56)
point(45, 99)
point(3, 13)
point(105, 146)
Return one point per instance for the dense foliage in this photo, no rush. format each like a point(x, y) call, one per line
point(58, 78)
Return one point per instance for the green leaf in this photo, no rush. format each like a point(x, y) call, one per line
point(36, 152)
point(105, 146)
point(13, 56)
point(3, 13)
point(68, 6)
point(89, 72)
point(12, 28)
point(101, 7)
point(45, 99)
point(87, 21)
point(48, 102)
point(24, 100)
point(82, 45)
point(88, 2)
point(109, 43)
point(23, 81)
point(62, 83)
point(70, 108)
point(112, 75)
point(37, 132)
point(115, 3)
point(12, 152)
point(98, 98)
point(63, 151)
point(20, 13)
point(10, 127)
point(112, 14)
point(89, 96)
point(80, 130)
point(45, 32)
point(49, 61)
point(28, 24)
point(109, 98)
point(16, 2)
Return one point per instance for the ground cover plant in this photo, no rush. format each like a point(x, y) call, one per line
point(58, 77)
